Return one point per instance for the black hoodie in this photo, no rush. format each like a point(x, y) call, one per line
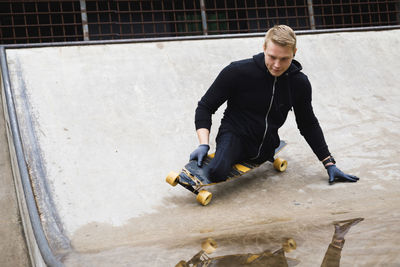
point(258, 104)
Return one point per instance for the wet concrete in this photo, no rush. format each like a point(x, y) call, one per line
point(366, 244)
point(111, 121)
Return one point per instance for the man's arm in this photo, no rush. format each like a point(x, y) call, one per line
point(204, 136)
point(333, 254)
point(201, 152)
point(327, 164)
point(309, 127)
point(306, 120)
point(215, 96)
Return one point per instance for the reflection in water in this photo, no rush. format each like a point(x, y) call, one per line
point(267, 258)
point(332, 255)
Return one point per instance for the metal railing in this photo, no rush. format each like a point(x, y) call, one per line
point(32, 22)
point(71, 20)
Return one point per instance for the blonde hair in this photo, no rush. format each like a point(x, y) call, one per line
point(281, 35)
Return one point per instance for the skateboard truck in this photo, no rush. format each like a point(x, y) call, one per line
point(203, 196)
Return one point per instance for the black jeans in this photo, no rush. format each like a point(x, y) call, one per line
point(229, 151)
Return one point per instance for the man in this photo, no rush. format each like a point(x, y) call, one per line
point(259, 92)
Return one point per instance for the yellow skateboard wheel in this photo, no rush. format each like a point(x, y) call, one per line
point(209, 245)
point(280, 164)
point(289, 245)
point(182, 264)
point(172, 178)
point(204, 197)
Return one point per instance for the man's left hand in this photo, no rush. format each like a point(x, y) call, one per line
point(336, 175)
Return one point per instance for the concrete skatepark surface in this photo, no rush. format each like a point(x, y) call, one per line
point(102, 125)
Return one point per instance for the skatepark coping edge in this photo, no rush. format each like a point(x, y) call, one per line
point(195, 37)
point(38, 246)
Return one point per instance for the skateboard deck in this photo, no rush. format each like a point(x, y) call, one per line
point(194, 178)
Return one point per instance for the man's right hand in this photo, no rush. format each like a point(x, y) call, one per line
point(200, 153)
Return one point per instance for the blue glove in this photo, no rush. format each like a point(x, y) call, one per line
point(200, 153)
point(335, 173)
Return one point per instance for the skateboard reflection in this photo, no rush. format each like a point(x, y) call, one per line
point(268, 258)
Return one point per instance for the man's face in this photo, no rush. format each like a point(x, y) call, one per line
point(277, 58)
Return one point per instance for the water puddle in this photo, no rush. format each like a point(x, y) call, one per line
point(277, 257)
point(318, 242)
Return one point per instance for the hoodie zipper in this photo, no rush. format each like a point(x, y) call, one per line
point(266, 120)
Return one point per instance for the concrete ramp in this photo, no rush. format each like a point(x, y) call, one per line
point(102, 125)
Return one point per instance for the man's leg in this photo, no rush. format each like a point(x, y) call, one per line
point(228, 152)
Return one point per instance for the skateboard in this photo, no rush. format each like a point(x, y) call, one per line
point(265, 258)
point(194, 178)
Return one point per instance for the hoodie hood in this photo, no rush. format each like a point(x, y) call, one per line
point(294, 68)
